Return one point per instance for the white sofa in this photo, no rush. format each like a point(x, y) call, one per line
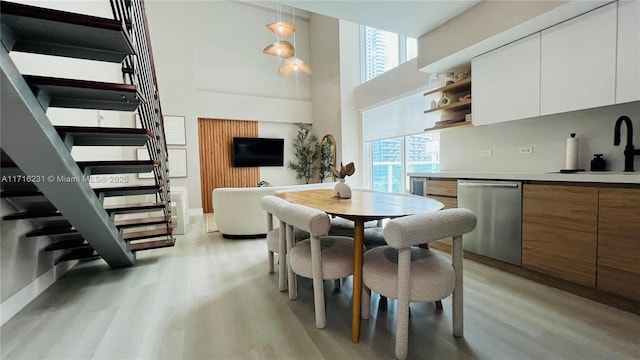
point(238, 213)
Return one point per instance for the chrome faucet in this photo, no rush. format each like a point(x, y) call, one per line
point(629, 151)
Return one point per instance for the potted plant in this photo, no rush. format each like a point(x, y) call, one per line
point(343, 190)
point(305, 152)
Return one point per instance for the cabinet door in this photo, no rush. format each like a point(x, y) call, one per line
point(628, 60)
point(506, 82)
point(578, 62)
point(559, 231)
point(619, 242)
point(442, 187)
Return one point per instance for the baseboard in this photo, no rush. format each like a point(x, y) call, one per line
point(18, 301)
point(243, 237)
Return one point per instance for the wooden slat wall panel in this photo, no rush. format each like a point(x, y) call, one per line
point(216, 139)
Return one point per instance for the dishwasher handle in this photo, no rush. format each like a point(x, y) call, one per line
point(489, 184)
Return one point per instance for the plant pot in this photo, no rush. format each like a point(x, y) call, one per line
point(342, 190)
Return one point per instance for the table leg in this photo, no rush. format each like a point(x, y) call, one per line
point(358, 244)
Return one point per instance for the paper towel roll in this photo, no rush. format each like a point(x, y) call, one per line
point(573, 145)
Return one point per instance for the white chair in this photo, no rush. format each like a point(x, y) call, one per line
point(319, 257)
point(408, 273)
point(276, 241)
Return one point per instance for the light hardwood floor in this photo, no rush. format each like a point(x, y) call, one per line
point(211, 298)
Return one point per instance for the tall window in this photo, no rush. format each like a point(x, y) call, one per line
point(383, 50)
point(395, 144)
point(391, 160)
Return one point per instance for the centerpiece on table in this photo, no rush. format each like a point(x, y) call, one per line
point(342, 190)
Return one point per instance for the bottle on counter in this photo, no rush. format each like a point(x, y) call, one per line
point(598, 163)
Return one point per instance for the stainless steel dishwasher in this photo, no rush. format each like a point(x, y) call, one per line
point(498, 207)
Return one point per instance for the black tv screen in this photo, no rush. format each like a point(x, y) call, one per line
point(249, 152)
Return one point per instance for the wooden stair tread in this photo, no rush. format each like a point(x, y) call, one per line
point(107, 191)
point(105, 136)
point(132, 208)
point(32, 215)
point(83, 94)
point(129, 190)
point(118, 166)
point(54, 32)
point(20, 193)
point(68, 244)
point(79, 254)
point(149, 245)
point(51, 230)
point(143, 221)
point(147, 234)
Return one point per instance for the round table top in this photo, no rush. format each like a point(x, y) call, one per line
point(363, 204)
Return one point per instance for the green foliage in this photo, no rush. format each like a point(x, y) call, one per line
point(305, 151)
point(326, 159)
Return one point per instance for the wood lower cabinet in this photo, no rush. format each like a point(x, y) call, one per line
point(560, 231)
point(445, 191)
point(619, 242)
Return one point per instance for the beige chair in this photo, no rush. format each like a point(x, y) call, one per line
point(276, 241)
point(318, 258)
point(408, 273)
point(372, 231)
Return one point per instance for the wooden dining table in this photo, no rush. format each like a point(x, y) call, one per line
point(363, 206)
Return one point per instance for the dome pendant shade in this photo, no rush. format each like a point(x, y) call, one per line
point(282, 49)
point(282, 28)
point(292, 65)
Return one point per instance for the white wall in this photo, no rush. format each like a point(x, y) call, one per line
point(460, 148)
point(325, 83)
point(209, 63)
point(350, 120)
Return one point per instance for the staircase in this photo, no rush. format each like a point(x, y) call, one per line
point(40, 178)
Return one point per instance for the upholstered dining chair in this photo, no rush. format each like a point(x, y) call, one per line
point(276, 239)
point(372, 231)
point(408, 273)
point(319, 258)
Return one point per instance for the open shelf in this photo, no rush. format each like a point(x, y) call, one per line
point(456, 87)
point(459, 105)
point(448, 126)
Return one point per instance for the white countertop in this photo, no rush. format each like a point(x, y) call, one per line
point(584, 176)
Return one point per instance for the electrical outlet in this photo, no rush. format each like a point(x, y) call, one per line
point(527, 150)
point(485, 152)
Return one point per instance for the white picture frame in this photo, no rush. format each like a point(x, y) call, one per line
point(177, 163)
point(174, 130)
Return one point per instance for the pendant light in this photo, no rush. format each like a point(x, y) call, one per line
point(283, 49)
point(293, 65)
point(282, 28)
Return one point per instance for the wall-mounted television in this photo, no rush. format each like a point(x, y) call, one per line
point(250, 152)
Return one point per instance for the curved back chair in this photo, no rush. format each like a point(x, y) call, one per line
point(276, 240)
point(408, 273)
point(318, 258)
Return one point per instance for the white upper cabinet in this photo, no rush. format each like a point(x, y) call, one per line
point(628, 60)
point(578, 62)
point(506, 82)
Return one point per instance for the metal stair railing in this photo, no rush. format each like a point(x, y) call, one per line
point(139, 69)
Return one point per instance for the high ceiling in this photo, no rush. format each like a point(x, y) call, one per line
point(410, 18)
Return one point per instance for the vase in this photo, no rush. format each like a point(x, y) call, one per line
point(342, 190)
